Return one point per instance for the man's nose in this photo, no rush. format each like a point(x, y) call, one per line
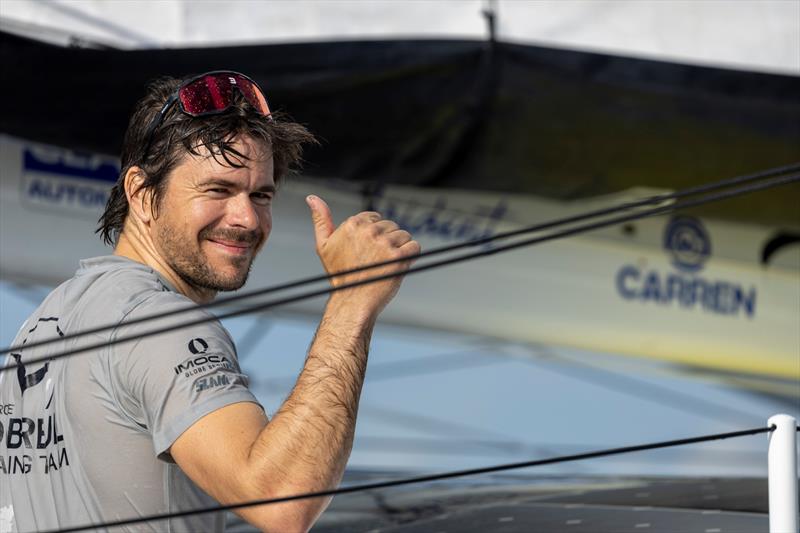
point(242, 213)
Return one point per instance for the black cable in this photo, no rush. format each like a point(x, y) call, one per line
point(423, 479)
point(475, 447)
point(653, 200)
point(430, 266)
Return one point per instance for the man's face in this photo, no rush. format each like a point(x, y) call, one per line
point(213, 219)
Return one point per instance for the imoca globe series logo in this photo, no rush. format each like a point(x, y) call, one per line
point(688, 245)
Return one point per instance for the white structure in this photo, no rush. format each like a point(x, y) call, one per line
point(760, 35)
point(783, 475)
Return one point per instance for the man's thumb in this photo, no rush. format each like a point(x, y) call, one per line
point(321, 217)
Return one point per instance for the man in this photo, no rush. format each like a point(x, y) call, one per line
point(164, 422)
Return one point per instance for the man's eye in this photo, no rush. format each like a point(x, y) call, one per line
point(261, 197)
point(218, 191)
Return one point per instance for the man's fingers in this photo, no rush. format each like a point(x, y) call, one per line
point(398, 237)
point(321, 217)
point(410, 248)
point(368, 216)
point(385, 226)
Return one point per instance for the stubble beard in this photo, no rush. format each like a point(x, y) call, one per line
point(186, 258)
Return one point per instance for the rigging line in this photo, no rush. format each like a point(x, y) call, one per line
point(649, 201)
point(423, 268)
point(444, 446)
point(423, 479)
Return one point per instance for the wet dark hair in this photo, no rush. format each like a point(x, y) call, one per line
point(180, 134)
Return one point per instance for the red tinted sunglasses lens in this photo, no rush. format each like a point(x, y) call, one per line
point(205, 95)
point(252, 93)
point(214, 92)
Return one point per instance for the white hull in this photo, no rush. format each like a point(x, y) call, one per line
point(609, 291)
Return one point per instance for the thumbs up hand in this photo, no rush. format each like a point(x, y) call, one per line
point(362, 239)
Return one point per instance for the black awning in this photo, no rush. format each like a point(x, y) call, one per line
point(461, 114)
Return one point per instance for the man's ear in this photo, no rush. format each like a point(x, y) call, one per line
point(139, 197)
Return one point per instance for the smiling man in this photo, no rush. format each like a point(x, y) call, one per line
point(211, 222)
point(166, 423)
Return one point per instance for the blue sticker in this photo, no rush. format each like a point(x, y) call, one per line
point(73, 164)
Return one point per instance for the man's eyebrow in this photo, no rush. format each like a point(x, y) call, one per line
point(232, 184)
point(218, 181)
point(267, 188)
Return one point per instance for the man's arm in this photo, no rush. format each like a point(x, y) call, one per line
point(236, 455)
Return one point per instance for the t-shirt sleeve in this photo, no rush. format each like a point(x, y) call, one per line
point(173, 379)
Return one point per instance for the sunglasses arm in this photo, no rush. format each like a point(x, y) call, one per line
point(157, 120)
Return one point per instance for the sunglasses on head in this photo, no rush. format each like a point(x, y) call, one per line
point(209, 94)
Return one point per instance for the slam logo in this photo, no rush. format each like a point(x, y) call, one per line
point(688, 244)
point(71, 181)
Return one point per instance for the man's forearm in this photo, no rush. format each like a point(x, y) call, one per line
point(306, 446)
point(309, 439)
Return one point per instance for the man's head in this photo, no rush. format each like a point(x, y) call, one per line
point(196, 190)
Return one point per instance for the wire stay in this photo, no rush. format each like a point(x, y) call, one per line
point(422, 479)
point(773, 182)
point(649, 201)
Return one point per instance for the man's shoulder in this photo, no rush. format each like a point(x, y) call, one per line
point(169, 309)
point(116, 285)
point(106, 290)
point(113, 291)
point(157, 307)
point(109, 272)
point(138, 302)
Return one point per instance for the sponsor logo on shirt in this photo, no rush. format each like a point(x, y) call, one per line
point(211, 382)
point(33, 443)
point(198, 345)
point(34, 378)
point(28, 380)
point(37, 439)
point(201, 364)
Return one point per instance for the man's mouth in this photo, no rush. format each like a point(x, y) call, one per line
point(232, 247)
point(232, 242)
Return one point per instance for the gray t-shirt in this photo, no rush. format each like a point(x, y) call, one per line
point(86, 439)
